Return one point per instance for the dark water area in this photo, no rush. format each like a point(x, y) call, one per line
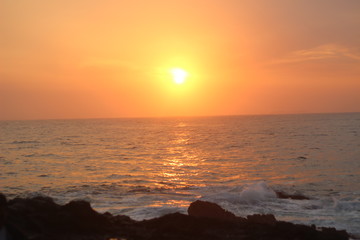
point(146, 168)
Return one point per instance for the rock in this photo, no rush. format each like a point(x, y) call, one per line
point(291, 196)
point(41, 218)
point(177, 226)
point(36, 204)
point(3, 203)
point(8, 231)
point(82, 218)
point(267, 219)
point(330, 232)
point(209, 210)
point(31, 217)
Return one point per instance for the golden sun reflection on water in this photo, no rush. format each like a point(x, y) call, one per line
point(181, 165)
point(171, 203)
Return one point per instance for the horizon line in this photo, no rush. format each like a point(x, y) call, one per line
point(183, 116)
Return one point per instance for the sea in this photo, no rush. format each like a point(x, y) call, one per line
point(149, 167)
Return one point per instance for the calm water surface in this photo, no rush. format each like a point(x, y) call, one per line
point(149, 167)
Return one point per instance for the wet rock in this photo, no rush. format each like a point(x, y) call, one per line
point(3, 203)
point(267, 219)
point(38, 217)
point(178, 226)
point(330, 232)
point(284, 195)
point(31, 217)
point(41, 218)
point(81, 217)
point(209, 210)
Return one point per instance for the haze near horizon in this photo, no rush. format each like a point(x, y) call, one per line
point(91, 59)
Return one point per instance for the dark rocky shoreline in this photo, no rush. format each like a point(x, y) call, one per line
point(41, 218)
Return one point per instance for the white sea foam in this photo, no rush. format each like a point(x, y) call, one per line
point(249, 194)
point(259, 191)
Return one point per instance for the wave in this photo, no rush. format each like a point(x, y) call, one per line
point(249, 194)
point(256, 192)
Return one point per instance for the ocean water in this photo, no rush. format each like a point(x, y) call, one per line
point(146, 168)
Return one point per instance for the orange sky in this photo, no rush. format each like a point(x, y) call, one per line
point(91, 59)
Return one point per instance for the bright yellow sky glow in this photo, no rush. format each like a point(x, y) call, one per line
point(179, 75)
point(99, 59)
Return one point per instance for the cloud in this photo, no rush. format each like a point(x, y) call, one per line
point(328, 51)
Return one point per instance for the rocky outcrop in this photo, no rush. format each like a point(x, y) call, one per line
point(41, 218)
point(209, 210)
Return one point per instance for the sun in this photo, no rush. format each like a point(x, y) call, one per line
point(178, 75)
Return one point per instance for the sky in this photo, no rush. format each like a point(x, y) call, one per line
point(110, 58)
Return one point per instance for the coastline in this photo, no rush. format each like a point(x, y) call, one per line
point(41, 218)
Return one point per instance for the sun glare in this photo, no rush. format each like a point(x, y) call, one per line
point(179, 75)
